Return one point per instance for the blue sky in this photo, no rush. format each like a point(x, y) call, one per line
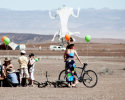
point(54, 4)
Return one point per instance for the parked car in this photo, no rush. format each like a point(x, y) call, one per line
point(57, 48)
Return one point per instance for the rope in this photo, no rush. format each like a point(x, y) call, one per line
point(87, 52)
point(6, 47)
point(8, 50)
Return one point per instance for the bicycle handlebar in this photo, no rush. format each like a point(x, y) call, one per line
point(85, 64)
point(47, 75)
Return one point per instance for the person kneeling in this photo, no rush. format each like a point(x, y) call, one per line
point(12, 78)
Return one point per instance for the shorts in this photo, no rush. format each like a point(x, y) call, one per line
point(25, 72)
point(31, 75)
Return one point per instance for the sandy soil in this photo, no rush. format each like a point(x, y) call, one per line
point(109, 87)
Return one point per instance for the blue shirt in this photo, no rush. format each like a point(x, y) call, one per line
point(13, 77)
point(1, 68)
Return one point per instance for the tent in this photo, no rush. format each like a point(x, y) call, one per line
point(10, 46)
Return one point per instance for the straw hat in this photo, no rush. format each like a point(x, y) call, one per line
point(11, 70)
point(7, 59)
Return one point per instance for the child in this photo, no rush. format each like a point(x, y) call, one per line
point(31, 65)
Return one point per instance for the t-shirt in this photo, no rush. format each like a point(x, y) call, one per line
point(23, 61)
point(13, 77)
point(32, 67)
point(1, 68)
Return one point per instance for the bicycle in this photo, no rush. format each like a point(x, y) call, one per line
point(87, 77)
point(58, 83)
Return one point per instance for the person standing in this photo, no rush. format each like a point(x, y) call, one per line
point(31, 65)
point(70, 65)
point(23, 62)
point(39, 48)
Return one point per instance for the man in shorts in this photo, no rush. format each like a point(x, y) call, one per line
point(23, 61)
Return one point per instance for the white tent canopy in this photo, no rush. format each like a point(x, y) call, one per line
point(11, 46)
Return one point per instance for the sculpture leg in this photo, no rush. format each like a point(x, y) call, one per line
point(71, 33)
point(55, 35)
point(61, 41)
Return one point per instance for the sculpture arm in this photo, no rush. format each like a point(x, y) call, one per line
point(51, 16)
point(77, 13)
point(76, 32)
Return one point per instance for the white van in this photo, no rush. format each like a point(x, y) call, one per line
point(57, 48)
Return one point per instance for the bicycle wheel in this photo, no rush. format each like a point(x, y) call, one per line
point(90, 78)
point(62, 75)
point(42, 85)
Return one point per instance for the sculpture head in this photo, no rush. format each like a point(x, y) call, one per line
point(65, 11)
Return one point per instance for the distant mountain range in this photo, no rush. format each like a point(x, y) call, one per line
point(35, 38)
point(103, 23)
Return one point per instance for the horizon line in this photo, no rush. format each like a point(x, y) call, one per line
point(104, 8)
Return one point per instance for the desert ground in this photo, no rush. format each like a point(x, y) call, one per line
point(110, 86)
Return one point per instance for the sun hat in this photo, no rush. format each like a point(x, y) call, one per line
point(23, 51)
point(7, 59)
point(11, 70)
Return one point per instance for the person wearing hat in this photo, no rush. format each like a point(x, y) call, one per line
point(7, 64)
point(12, 77)
point(31, 65)
point(23, 62)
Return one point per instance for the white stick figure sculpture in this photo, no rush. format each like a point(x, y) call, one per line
point(64, 14)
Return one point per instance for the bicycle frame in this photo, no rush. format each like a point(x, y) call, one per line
point(55, 84)
point(83, 69)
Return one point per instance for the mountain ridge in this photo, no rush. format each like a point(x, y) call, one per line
point(37, 38)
